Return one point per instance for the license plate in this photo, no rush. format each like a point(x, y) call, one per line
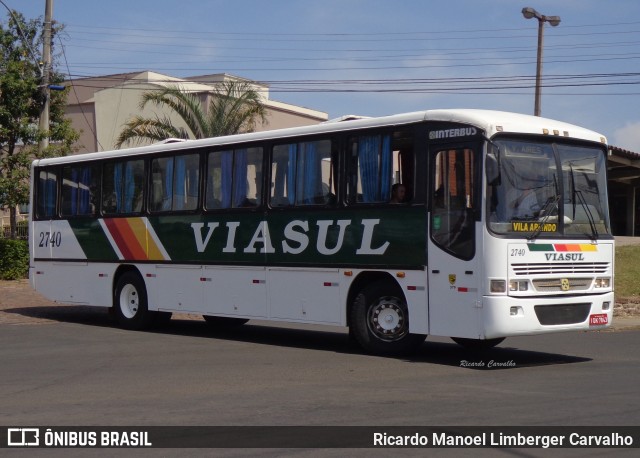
point(598, 319)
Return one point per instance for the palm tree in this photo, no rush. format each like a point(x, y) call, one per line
point(235, 107)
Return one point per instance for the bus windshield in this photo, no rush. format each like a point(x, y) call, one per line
point(538, 188)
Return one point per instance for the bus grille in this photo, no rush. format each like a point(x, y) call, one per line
point(562, 314)
point(543, 268)
point(555, 284)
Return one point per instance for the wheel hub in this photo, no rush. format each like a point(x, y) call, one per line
point(129, 301)
point(387, 319)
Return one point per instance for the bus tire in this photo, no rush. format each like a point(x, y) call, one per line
point(223, 322)
point(477, 344)
point(130, 302)
point(389, 335)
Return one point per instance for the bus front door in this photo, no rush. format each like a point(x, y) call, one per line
point(452, 265)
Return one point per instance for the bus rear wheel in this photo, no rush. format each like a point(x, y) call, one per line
point(477, 344)
point(130, 302)
point(380, 320)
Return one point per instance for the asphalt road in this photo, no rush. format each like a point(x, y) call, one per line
point(71, 366)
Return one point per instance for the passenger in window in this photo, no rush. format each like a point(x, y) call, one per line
point(398, 194)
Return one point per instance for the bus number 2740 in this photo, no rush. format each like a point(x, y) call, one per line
point(517, 252)
point(53, 239)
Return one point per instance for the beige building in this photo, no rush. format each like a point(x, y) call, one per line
point(100, 106)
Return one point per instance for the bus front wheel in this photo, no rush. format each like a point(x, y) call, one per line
point(130, 302)
point(380, 320)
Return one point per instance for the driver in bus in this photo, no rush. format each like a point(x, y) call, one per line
point(523, 200)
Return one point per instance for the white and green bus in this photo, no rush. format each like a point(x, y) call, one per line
point(503, 229)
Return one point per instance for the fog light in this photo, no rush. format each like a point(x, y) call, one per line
point(515, 311)
point(498, 286)
point(606, 305)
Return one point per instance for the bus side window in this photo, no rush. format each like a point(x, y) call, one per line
point(302, 174)
point(234, 178)
point(370, 169)
point(47, 194)
point(175, 184)
point(379, 162)
point(80, 185)
point(122, 187)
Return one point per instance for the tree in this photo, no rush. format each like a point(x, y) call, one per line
point(21, 99)
point(234, 107)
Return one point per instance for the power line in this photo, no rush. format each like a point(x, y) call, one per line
point(335, 34)
point(469, 85)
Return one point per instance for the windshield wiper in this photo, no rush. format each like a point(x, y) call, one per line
point(546, 211)
point(592, 223)
point(575, 192)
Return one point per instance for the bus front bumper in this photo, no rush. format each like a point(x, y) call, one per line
point(505, 316)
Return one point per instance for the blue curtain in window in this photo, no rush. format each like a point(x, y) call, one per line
point(50, 193)
point(240, 177)
point(73, 208)
point(226, 172)
point(84, 190)
point(385, 169)
point(291, 173)
point(308, 171)
point(192, 183)
point(374, 157)
point(368, 148)
point(129, 187)
point(179, 187)
point(117, 185)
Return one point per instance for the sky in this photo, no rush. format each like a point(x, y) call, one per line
point(375, 57)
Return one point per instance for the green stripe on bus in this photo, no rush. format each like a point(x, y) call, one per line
point(93, 240)
point(321, 237)
point(541, 247)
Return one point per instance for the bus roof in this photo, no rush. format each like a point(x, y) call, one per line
point(492, 122)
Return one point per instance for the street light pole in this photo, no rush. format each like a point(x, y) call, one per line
point(530, 13)
point(46, 69)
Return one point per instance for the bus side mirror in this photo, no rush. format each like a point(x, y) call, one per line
point(493, 170)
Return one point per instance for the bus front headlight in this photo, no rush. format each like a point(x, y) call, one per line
point(518, 285)
point(602, 282)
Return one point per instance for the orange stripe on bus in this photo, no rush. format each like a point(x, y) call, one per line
point(133, 247)
point(145, 240)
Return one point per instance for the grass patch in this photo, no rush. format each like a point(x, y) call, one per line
point(627, 271)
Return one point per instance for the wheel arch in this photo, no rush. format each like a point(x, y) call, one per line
point(120, 271)
point(361, 281)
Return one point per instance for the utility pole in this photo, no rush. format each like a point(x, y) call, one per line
point(46, 69)
point(530, 13)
